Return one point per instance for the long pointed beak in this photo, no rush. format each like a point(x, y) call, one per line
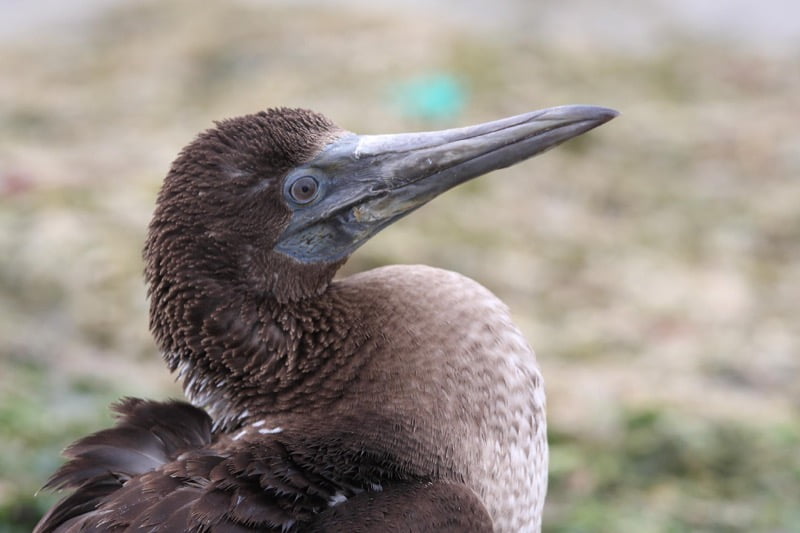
point(367, 182)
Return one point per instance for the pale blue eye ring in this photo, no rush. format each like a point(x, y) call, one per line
point(304, 189)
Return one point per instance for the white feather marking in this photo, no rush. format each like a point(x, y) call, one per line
point(269, 431)
point(336, 499)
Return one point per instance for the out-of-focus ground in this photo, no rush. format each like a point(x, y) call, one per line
point(654, 264)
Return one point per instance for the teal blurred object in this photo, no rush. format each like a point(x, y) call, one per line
point(432, 98)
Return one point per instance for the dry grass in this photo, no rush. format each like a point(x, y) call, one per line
point(654, 264)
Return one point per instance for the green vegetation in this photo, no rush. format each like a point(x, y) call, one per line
point(653, 264)
point(665, 471)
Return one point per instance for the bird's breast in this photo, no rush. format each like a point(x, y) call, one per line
point(449, 365)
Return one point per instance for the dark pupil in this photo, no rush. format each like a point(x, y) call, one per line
point(304, 189)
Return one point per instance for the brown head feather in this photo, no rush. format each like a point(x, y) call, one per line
point(214, 282)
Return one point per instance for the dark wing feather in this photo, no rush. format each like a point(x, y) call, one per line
point(175, 508)
point(231, 490)
point(147, 435)
point(70, 512)
point(422, 507)
point(159, 469)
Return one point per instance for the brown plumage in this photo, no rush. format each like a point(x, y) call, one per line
point(399, 399)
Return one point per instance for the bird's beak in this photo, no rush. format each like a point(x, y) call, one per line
point(366, 182)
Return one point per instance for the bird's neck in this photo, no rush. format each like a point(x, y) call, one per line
point(242, 355)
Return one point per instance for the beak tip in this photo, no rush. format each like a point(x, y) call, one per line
point(606, 113)
point(579, 113)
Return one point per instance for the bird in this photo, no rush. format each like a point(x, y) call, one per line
point(399, 399)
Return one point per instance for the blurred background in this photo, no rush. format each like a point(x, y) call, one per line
point(654, 264)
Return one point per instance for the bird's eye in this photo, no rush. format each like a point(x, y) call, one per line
point(304, 189)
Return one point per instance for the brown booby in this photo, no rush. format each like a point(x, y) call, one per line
point(398, 399)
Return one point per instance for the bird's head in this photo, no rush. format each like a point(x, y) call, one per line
point(278, 200)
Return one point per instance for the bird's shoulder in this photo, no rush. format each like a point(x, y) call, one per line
point(424, 288)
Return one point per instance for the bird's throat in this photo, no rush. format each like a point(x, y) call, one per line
point(246, 357)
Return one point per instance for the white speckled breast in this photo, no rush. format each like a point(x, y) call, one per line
point(475, 385)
